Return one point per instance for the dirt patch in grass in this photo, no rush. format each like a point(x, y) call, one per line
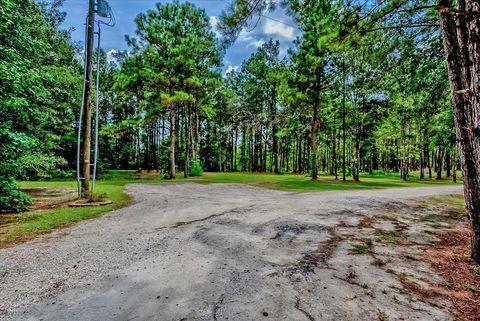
point(42, 199)
point(46, 198)
point(450, 257)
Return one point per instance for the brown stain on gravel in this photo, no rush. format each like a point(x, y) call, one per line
point(450, 257)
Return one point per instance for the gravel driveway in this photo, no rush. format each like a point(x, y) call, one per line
point(210, 252)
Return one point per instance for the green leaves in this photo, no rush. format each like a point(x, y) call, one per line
point(176, 50)
point(39, 89)
point(12, 148)
point(177, 98)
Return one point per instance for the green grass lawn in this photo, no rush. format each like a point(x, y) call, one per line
point(19, 227)
point(304, 183)
point(22, 226)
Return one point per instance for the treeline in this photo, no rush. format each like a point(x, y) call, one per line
point(339, 110)
point(382, 102)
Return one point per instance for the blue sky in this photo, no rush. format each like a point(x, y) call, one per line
point(276, 25)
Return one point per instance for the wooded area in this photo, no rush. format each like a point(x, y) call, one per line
point(365, 87)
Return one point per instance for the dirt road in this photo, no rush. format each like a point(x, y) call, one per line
point(217, 252)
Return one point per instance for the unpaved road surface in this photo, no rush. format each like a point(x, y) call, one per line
point(213, 252)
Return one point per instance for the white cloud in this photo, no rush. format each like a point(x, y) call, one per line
point(256, 43)
point(214, 24)
point(213, 21)
point(250, 39)
point(110, 55)
point(277, 28)
point(231, 68)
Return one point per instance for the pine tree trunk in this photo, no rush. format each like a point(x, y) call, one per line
point(154, 146)
point(299, 156)
point(454, 164)
point(188, 142)
point(356, 175)
point(422, 161)
point(461, 36)
point(439, 165)
point(235, 150)
point(146, 160)
point(448, 164)
point(275, 145)
point(313, 141)
point(172, 142)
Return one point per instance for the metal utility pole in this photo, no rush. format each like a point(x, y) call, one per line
point(85, 117)
point(87, 96)
point(344, 111)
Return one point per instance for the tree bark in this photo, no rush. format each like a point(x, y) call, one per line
point(448, 164)
point(461, 37)
point(422, 158)
point(439, 165)
point(313, 141)
point(87, 98)
point(172, 142)
point(274, 128)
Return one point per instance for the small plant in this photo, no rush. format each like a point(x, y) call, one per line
point(389, 236)
point(93, 197)
point(195, 168)
point(361, 249)
point(364, 248)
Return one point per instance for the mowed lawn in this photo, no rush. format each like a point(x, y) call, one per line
point(15, 228)
point(304, 183)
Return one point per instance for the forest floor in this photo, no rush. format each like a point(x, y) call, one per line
point(236, 252)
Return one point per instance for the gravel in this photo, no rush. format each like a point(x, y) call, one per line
point(208, 252)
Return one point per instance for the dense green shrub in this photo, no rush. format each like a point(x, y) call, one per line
point(11, 198)
point(12, 148)
point(195, 168)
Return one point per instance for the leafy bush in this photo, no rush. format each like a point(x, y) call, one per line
point(12, 148)
point(195, 168)
point(39, 166)
point(11, 198)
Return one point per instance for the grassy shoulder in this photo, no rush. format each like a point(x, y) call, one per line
point(15, 228)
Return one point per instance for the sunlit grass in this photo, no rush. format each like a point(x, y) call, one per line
point(26, 225)
point(304, 183)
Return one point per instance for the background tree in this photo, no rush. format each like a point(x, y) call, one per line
point(175, 58)
point(39, 83)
